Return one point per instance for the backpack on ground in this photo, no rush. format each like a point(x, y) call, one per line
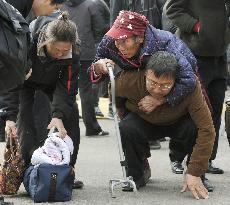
point(15, 41)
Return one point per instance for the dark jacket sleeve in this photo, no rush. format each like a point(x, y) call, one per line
point(105, 13)
point(167, 24)
point(115, 7)
point(9, 103)
point(177, 12)
point(65, 93)
point(23, 6)
point(98, 21)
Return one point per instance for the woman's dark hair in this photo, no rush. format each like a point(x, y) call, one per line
point(163, 64)
point(61, 29)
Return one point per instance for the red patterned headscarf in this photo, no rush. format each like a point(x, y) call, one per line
point(127, 24)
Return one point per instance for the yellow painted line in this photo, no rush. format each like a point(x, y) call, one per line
point(103, 104)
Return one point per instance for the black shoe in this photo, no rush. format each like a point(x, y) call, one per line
point(98, 112)
point(207, 184)
point(177, 167)
point(214, 170)
point(78, 184)
point(155, 144)
point(99, 134)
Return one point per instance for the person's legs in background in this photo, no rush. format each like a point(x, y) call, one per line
point(97, 110)
point(216, 96)
point(213, 72)
point(87, 102)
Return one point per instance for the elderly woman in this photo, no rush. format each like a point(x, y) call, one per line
point(55, 63)
point(132, 40)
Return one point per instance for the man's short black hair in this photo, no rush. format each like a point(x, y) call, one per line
point(163, 64)
point(58, 1)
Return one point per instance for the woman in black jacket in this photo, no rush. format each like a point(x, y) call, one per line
point(55, 64)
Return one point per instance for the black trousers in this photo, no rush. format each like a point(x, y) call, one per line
point(136, 132)
point(88, 100)
point(213, 72)
point(32, 131)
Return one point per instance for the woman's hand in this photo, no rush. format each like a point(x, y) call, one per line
point(10, 129)
point(57, 123)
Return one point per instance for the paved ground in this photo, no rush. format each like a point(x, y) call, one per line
point(98, 162)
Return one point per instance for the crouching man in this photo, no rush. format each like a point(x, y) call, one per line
point(188, 123)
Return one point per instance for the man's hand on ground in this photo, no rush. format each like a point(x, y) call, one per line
point(149, 103)
point(195, 185)
point(57, 123)
point(10, 129)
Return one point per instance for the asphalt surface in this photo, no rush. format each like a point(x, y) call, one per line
point(98, 162)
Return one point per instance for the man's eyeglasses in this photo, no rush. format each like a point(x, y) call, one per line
point(163, 87)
